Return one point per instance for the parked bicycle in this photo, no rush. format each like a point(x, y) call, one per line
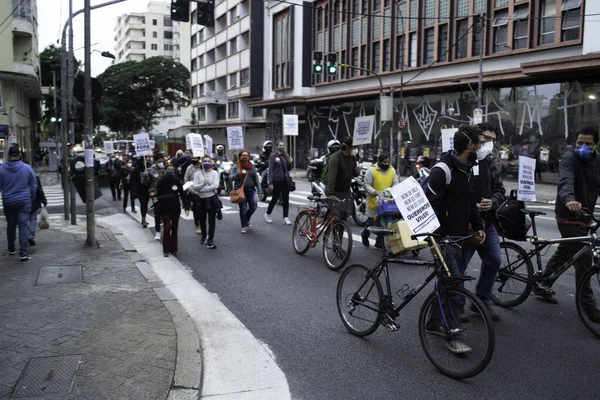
point(310, 225)
point(458, 351)
point(517, 278)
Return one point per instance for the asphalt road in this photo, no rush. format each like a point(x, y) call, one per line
point(288, 301)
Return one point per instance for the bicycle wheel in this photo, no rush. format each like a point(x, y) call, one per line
point(591, 277)
point(440, 331)
point(300, 238)
point(337, 245)
point(513, 283)
point(358, 295)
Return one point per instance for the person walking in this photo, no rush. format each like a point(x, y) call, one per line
point(206, 182)
point(279, 169)
point(18, 186)
point(342, 167)
point(378, 178)
point(128, 185)
point(142, 189)
point(152, 176)
point(36, 208)
point(167, 203)
point(190, 173)
point(114, 176)
point(244, 173)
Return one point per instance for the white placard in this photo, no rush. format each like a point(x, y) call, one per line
point(109, 147)
point(477, 116)
point(142, 144)
point(235, 138)
point(526, 190)
point(209, 144)
point(290, 125)
point(152, 144)
point(196, 143)
point(88, 155)
point(448, 139)
point(188, 143)
point(414, 206)
point(363, 130)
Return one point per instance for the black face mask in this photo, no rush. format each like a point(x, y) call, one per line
point(384, 167)
point(472, 158)
point(195, 162)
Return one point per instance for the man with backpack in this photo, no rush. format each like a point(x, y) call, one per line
point(341, 168)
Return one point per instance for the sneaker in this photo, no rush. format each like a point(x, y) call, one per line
point(268, 218)
point(198, 230)
point(364, 235)
point(175, 253)
point(203, 240)
point(593, 314)
point(166, 254)
point(12, 253)
point(286, 221)
point(544, 295)
point(435, 329)
point(114, 199)
point(31, 241)
point(26, 257)
point(457, 347)
point(144, 224)
point(134, 211)
point(244, 231)
point(157, 236)
point(495, 316)
point(210, 244)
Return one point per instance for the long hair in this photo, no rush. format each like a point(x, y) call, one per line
point(240, 166)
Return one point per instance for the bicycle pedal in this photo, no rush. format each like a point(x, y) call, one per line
point(389, 323)
point(542, 290)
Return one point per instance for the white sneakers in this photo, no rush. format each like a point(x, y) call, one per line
point(287, 221)
point(157, 236)
point(268, 218)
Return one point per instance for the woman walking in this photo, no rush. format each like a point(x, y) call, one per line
point(244, 173)
point(143, 188)
point(279, 168)
point(190, 172)
point(169, 195)
point(128, 185)
point(206, 182)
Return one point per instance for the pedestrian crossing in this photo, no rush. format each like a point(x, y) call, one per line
point(54, 195)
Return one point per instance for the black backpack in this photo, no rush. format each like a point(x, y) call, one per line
point(512, 223)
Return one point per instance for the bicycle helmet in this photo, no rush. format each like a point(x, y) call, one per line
point(333, 146)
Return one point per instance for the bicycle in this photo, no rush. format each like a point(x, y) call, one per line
point(517, 269)
point(308, 229)
point(439, 315)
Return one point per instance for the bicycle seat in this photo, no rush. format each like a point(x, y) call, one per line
point(314, 198)
point(532, 212)
point(381, 231)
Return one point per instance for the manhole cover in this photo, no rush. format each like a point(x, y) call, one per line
point(47, 376)
point(54, 275)
point(104, 236)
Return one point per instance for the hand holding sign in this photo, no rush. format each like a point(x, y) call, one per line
point(414, 206)
point(142, 144)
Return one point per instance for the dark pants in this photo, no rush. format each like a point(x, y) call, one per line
point(247, 207)
point(452, 257)
point(280, 189)
point(169, 237)
point(144, 198)
point(115, 188)
point(17, 215)
point(491, 260)
point(207, 209)
point(126, 192)
point(566, 251)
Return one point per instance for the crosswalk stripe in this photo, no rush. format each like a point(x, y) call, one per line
point(54, 195)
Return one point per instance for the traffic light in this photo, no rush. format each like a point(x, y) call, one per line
point(206, 13)
point(317, 62)
point(332, 59)
point(180, 10)
point(54, 119)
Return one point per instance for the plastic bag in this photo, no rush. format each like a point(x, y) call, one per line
point(44, 220)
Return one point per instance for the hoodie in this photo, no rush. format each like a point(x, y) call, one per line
point(17, 183)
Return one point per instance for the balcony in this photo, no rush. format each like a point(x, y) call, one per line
point(25, 68)
point(23, 26)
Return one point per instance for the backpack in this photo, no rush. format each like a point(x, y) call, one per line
point(447, 170)
point(512, 223)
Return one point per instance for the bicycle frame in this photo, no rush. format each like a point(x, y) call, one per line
point(317, 227)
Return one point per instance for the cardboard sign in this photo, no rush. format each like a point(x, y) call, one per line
point(414, 206)
point(197, 145)
point(448, 139)
point(363, 130)
point(109, 147)
point(526, 190)
point(209, 144)
point(88, 155)
point(235, 138)
point(290, 125)
point(142, 144)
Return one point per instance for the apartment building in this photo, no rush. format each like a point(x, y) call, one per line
point(539, 61)
point(227, 71)
point(20, 90)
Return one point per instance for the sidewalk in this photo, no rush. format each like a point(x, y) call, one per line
point(81, 323)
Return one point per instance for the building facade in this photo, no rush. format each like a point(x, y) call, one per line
point(20, 90)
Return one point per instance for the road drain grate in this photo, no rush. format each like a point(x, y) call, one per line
point(55, 275)
point(47, 376)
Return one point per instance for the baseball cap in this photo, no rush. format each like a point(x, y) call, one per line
point(14, 151)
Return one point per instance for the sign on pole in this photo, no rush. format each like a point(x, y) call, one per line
point(477, 116)
point(414, 206)
point(88, 156)
point(526, 190)
point(363, 130)
point(290, 125)
point(448, 139)
point(235, 138)
point(142, 144)
point(109, 147)
point(197, 144)
point(209, 144)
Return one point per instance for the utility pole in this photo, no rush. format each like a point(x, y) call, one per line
point(482, 34)
point(70, 83)
point(64, 137)
point(402, 21)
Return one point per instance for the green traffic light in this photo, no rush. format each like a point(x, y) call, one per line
point(317, 68)
point(332, 69)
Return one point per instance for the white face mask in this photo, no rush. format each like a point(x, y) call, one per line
point(129, 165)
point(485, 150)
point(161, 165)
point(354, 152)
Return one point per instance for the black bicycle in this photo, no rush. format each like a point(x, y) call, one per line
point(458, 351)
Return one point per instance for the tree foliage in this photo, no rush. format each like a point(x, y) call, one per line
point(136, 91)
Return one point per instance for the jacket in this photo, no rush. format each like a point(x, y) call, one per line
point(18, 183)
point(206, 190)
point(114, 169)
point(168, 193)
point(578, 180)
point(151, 178)
point(488, 184)
point(340, 172)
point(370, 182)
point(454, 204)
point(279, 166)
point(40, 197)
point(252, 182)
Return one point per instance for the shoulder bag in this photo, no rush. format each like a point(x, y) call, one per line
point(236, 196)
point(290, 182)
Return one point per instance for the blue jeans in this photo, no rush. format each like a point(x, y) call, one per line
point(491, 258)
point(247, 207)
point(33, 222)
point(17, 214)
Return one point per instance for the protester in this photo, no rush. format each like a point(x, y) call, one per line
point(342, 167)
point(142, 189)
point(279, 169)
point(36, 208)
point(18, 186)
point(206, 182)
point(167, 203)
point(245, 173)
point(129, 185)
point(152, 176)
point(190, 172)
point(114, 176)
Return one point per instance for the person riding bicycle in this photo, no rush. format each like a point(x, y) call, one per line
point(342, 168)
point(220, 156)
point(578, 187)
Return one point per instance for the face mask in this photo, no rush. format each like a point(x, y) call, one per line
point(129, 165)
point(244, 159)
point(281, 148)
point(584, 152)
point(485, 150)
point(354, 152)
point(384, 167)
point(170, 173)
point(207, 165)
point(195, 162)
point(161, 165)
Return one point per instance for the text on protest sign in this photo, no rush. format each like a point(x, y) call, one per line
point(363, 130)
point(526, 190)
point(209, 144)
point(197, 145)
point(109, 147)
point(290, 125)
point(142, 144)
point(235, 138)
point(415, 207)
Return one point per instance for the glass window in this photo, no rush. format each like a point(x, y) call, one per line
point(257, 112)
point(386, 55)
point(154, 46)
point(570, 4)
point(463, 8)
point(233, 110)
point(462, 28)
point(414, 13)
point(501, 31)
point(167, 22)
point(233, 80)
point(413, 50)
point(443, 43)
point(244, 76)
point(429, 12)
point(363, 58)
point(429, 42)
point(501, 3)
point(400, 47)
point(477, 38)
point(221, 112)
point(233, 46)
point(354, 61)
point(154, 22)
point(444, 10)
point(570, 24)
point(168, 35)
point(521, 27)
point(547, 23)
point(154, 34)
point(201, 113)
point(401, 21)
point(376, 56)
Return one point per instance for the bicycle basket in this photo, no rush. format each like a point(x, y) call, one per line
point(513, 223)
point(341, 206)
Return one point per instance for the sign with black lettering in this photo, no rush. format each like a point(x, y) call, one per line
point(526, 190)
point(414, 206)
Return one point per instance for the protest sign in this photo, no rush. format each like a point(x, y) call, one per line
point(414, 206)
point(209, 144)
point(363, 130)
point(526, 190)
point(152, 144)
point(109, 147)
point(188, 143)
point(235, 138)
point(88, 155)
point(142, 144)
point(290, 125)
point(448, 139)
point(197, 145)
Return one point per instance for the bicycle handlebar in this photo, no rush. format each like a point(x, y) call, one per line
point(588, 214)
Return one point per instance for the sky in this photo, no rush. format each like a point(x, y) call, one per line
point(52, 15)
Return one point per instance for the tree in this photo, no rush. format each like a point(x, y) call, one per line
point(136, 91)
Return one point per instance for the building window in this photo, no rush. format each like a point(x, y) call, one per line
point(155, 34)
point(168, 35)
point(547, 26)
point(244, 77)
point(257, 112)
point(167, 22)
point(201, 113)
point(443, 43)
point(154, 22)
point(168, 47)
point(501, 31)
point(233, 80)
point(363, 58)
point(233, 46)
point(354, 61)
point(477, 38)
point(429, 42)
point(233, 15)
point(282, 54)
point(376, 56)
point(201, 61)
point(521, 27)
point(194, 92)
point(221, 112)
point(400, 49)
point(154, 46)
point(143, 33)
point(462, 41)
point(571, 15)
point(200, 89)
point(233, 109)
point(201, 36)
point(194, 64)
point(387, 55)
point(194, 40)
point(413, 50)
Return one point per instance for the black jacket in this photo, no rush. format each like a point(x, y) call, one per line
point(488, 184)
point(454, 204)
point(114, 169)
point(40, 197)
point(578, 180)
point(168, 193)
point(340, 172)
